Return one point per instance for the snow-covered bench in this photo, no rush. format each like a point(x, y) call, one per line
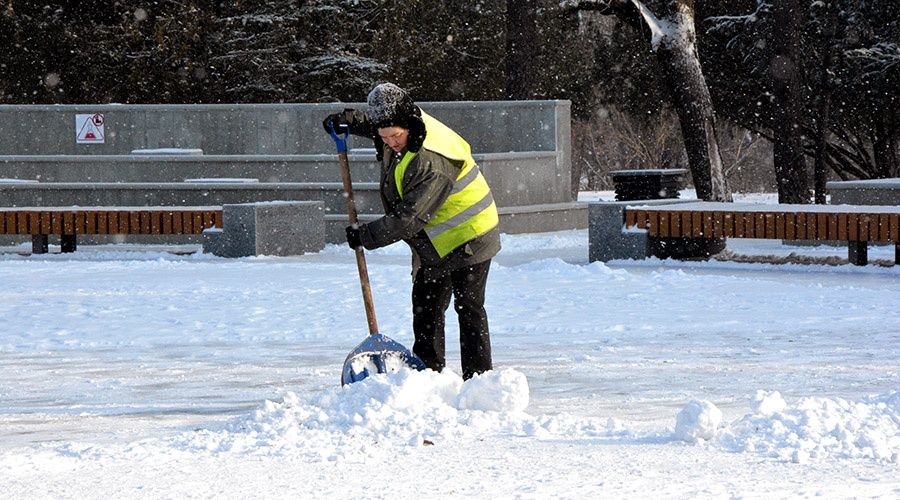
point(69, 222)
point(858, 225)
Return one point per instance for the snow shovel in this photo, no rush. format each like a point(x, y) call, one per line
point(378, 353)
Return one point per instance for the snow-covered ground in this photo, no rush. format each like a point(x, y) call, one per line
point(146, 374)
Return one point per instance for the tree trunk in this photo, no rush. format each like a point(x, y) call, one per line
point(884, 146)
point(822, 117)
point(673, 38)
point(790, 164)
point(521, 47)
point(693, 104)
point(821, 170)
point(677, 54)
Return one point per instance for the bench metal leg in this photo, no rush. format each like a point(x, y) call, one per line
point(40, 243)
point(67, 243)
point(858, 252)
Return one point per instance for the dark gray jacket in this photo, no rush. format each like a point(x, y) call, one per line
point(427, 183)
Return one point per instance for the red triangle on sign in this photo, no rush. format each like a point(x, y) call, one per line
point(90, 135)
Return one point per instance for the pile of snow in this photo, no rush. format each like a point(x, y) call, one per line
point(699, 420)
point(504, 391)
point(391, 410)
point(818, 428)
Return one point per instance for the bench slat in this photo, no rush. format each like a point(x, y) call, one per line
point(718, 224)
point(155, 222)
point(675, 224)
point(35, 224)
point(653, 223)
point(134, 222)
point(895, 229)
point(145, 222)
point(707, 224)
point(90, 222)
point(630, 218)
point(664, 225)
point(884, 227)
point(177, 226)
point(198, 222)
point(68, 221)
point(873, 227)
point(187, 223)
point(863, 227)
point(208, 219)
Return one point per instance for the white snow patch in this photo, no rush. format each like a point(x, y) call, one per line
point(660, 29)
point(698, 420)
point(388, 412)
point(767, 403)
point(503, 391)
point(819, 428)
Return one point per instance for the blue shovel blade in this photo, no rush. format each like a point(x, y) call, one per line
point(377, 354)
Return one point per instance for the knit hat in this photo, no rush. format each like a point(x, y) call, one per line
point(391, 106)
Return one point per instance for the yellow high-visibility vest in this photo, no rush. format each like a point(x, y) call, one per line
point(470, 210)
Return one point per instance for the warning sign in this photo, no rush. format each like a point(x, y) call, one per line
point(89, 129)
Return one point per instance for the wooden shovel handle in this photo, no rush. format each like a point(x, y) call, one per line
point(360, 255)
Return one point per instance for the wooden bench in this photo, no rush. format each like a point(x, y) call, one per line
point(69, 222)
point(858, 225)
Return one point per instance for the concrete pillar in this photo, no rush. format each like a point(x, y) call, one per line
point(277, 228)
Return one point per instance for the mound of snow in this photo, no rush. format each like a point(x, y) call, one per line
point(767, 403)
point(819, 428)
point(504, 391)
point(384, 411)
point(697, 420)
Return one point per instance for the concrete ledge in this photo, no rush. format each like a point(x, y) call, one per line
point(865, 192)
point(277, 228)
point(607, 237)
point(513, 220)
point(543, 218)
point(516, 178)
point(64, 194)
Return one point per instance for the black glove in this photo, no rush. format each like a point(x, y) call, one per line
point(353, 237)
point(336, 120)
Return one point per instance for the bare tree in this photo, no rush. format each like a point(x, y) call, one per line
point(670, 24)
point(613, 140)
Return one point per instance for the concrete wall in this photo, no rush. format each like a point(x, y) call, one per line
point(523, 148)
point(269, 129)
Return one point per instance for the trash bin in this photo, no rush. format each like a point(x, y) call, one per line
point(647, 184)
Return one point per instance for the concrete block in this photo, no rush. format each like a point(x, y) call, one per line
point(278, 228)
point(607, 237)
point(865, 192)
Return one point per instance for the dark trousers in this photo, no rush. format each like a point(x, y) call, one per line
point(430, 299)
